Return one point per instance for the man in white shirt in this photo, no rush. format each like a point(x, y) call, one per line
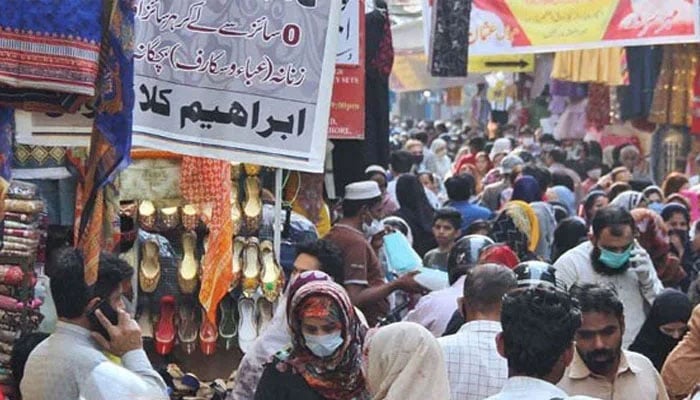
point(474, 367)
point(613, 257)
point(70, 364)
point(538, 341)
point(435, 310)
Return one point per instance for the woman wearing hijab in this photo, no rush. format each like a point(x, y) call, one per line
point(629, 200)
point(593, 202)
point(664, 327)
point(417, 212)
point(563, 195)
point(378, 174)
point(405, 362)
point(518, 226)
point(526, 189)
point(440, 163)
point(677, 218)
point(653, 236)
point(569, 233)
point(324, 360)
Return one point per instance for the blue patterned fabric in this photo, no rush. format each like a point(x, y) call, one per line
point(7, 121)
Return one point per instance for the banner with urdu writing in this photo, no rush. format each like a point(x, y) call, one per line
point(246, 81)
point(534, 26)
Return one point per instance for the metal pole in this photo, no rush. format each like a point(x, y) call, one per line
point(277, 224)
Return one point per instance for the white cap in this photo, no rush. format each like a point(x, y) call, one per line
point(363, 190)
point(375, 168)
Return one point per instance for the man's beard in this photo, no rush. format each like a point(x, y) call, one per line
point(603, 269)
point(601, 361)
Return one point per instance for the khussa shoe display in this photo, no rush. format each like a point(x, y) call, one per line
point(189, 217)
point(251, 267)
point(264, 310)
point(169, 217)
point(237, 265)
point(188, 328)
point(228, 324)
point(189, 266)
point(147, 215)
point(272, 276)
point(252, 209)
point(236, 213)
point(247, 323)
point(165, 328)
point(208, 335)
point(149, 273)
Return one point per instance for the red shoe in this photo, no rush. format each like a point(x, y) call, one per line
point(208, 334)
point(165, 328)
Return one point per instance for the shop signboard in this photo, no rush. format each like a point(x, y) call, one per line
point(348, 102)
point(510, 27)
point(536, 26)
point(246, 81)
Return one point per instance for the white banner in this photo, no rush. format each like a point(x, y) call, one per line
point(246, 81)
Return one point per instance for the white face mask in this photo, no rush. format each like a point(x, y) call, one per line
point(372, 229)
point(594, 173)
point(323, 345)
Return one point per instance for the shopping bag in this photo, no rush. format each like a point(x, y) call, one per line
point(401, 257)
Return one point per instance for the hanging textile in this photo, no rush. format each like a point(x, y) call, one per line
point(41, 100)
point(572, 123)
point(53, 45)
point(111, 135)
point(644, 63)
point(672, 103)
point(207, 183)
point(606, 66)
point(305, 192)
point(598, 108)
point(695, 124)
point(6, 134)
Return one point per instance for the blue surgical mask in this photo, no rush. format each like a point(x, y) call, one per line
point(323, 345)
point(614, 260)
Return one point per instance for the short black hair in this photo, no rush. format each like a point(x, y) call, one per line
point(329, 256)
point(476, 144)
point(450, 215)
point(353, 207)
point(612, 217)
point(70, 293)
point(459, 187)
point(563, 179)
point(401, 161)
point(539, 324)
point(594, 297)
point(542, 175)
point(477, 226)
point(20, 353)
point(485, 285)
point(558, 155)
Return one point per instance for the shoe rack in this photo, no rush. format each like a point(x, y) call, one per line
point(22, 259)
point(171, 240)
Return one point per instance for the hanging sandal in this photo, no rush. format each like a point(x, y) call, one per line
point(165, 328)
point(264, 310)
point(228, 325)
point(252, 169)
point(187, 330)
point(251, 267)
point(147, 215)
point(187, 273)
point(253, 205)
point(207, 335)
point(169, 217)
point(236, 214)
point(247, 324)
point(149, 273)
point(238, 245)
point(189, 217)
point(271, 277)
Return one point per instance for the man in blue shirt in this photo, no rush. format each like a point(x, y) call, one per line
point(459, 190)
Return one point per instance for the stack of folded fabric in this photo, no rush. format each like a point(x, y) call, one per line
point(23, 235)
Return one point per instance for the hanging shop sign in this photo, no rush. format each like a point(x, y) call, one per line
point(348, 102)
point(248, 81)
point(535, 26)
point(52, 129)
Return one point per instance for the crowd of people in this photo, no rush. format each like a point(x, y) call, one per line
point(567, 277)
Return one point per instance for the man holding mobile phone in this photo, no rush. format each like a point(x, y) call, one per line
point(70, 363)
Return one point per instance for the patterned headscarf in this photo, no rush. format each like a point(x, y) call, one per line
point(518, 226)
point(339, 376)
point(628, 200)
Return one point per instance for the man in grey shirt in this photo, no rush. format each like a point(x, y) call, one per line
point(71, 363)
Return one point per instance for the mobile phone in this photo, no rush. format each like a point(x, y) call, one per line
point(108, 311)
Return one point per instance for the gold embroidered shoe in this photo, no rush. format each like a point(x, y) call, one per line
point(189, 267)
point(251, 267)
point(253, 205)
point(236, 266)
point(189, 217)
point(272, 277)
point(147, 215)
point(149, 273)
